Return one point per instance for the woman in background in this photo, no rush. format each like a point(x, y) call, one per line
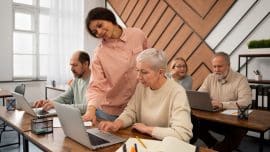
point(178, 72)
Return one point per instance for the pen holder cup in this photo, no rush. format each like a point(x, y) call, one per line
point(10, 103)
point(258, 77)
point(42, 125)
point(243, 112)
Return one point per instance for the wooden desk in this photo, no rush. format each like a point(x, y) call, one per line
point(62, 88)
point(58, 142)
point(19, 121)
point(4, 94)
point(258, 121)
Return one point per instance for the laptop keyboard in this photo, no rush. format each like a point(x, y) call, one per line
point(42, 112)
point(95, 140)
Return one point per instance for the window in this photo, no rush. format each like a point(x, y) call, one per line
point(30, 38)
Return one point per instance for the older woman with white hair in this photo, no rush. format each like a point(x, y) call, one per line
point(159, 106)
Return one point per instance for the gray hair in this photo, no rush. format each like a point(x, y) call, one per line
point(224, 55)
point(156, 58)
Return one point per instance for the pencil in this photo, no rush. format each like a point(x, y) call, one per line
point(140, 141)
point(124, 148)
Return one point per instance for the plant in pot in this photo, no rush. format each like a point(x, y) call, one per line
point(264, 43)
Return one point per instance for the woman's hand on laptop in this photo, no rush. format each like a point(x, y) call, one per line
point(110, 126)
point(90, 115)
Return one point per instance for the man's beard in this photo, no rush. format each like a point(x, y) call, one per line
point(220, 76)
point(77, 75)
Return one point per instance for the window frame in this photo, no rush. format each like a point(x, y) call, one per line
point(35, 10)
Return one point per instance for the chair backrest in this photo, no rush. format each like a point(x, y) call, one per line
point(20, 89)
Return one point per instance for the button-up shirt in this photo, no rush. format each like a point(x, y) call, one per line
point(113, 78)
point(234, 88)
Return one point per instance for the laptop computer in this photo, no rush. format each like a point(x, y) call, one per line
point(23, 104)
point(72, 124)
point(200, 100)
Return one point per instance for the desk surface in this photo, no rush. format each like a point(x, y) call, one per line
point(5, 93)
point(19, 120)
point(258, 120)
point(57, 141)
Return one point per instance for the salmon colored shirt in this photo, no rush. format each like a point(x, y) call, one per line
point(113, 71)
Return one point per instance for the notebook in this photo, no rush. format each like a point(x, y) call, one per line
point(72, 124)
point(200, 100)
point(168, 144)
point(22, 103)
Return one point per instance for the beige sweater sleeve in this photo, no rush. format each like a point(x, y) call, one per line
point(244, 96)
point(180, 125)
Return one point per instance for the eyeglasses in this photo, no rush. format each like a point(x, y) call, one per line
point(179, 66)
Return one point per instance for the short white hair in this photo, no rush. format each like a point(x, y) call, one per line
point(156, 58)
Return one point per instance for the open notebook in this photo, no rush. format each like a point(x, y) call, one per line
point(168, 144)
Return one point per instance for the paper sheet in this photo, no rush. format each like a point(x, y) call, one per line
point(233, 112)
point(168, 144)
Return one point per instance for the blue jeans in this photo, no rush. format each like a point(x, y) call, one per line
point(102, 115)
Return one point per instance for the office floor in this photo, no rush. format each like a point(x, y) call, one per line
point(249, 144)
point(11, 137)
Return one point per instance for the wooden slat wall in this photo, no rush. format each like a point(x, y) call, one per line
point(179, 27)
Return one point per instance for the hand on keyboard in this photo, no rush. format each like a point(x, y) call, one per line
point(42, 112)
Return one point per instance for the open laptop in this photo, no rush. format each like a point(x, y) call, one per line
point(200, 100)
point(72, 124)
point(25, 106)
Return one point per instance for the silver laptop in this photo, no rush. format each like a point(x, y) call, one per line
point(72, 124)
point(200, 100)
point(23, 104)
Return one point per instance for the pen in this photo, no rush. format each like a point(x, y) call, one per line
point(140, 141)
point(124, 148)
point(238, 106)
point(136, 149)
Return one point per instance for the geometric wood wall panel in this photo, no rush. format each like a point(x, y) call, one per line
point(179, 27)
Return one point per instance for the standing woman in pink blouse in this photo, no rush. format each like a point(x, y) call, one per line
point(113, 78)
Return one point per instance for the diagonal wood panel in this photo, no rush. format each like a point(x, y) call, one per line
point(201, 7)
point(158, 29)
point(137, 10)
point(178, 27)
point(202, 26)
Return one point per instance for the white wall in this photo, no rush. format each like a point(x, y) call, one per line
point(246, 20)
point(6, 40)
point(90, 42)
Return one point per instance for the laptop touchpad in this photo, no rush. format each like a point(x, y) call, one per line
point(95, 140)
